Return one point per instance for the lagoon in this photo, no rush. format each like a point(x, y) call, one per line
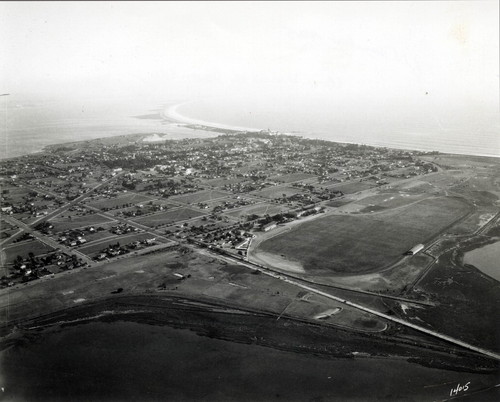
point(486, 259)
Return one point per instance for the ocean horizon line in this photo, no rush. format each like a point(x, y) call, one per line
point(172, 112)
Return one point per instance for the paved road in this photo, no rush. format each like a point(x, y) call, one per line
point(61, 209)
point(279, 276)
point(46, 239)
point(128, 222)
point(68, 205)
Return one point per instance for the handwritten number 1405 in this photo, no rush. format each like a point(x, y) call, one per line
point(459, 388)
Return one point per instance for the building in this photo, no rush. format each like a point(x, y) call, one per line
point(267, 227)
point(415, 249)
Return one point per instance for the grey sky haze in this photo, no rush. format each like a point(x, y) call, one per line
point(385, 53)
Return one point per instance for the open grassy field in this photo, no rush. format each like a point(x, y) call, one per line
point(475, 221)
point(62, 224)
point(350, 187)
point(147, 208)
point(200, 196)
point(259, 209)
point(338, 202)
point(389, 200)
point(277, 192)
point(168, 217)
point(230, 201)
point(95, 248)
point(222, 181)
point(24, 248)
point(15, 194)
point(292, 177)
point(123, 200)
point(98, 235)
point(353, 244)
point(312, 306)
point(7, 229)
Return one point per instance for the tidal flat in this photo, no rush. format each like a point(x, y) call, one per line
point(142, 357)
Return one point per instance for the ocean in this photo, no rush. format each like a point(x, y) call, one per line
point(428, 131)
point(29, 124)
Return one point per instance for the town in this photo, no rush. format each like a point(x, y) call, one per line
point(84, 203)
point(366, 242)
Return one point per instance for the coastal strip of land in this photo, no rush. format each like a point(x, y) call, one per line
point(172, 112)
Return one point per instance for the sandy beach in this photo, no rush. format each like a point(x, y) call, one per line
point(172, 112)
point(312, 125)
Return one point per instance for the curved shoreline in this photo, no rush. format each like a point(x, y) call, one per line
point(172, 113)
point(244, 326)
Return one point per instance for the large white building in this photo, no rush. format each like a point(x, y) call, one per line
point(415, 249)
point(269, 226)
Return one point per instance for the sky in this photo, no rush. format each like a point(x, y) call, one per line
point(359, 53)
